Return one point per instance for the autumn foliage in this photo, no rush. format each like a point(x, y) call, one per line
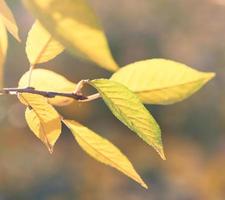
point(73, 26)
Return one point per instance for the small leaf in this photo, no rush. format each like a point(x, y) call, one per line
point(47, 80)
point(102, 150)
point(74, 24)
point(8, 19)
point(3, 50)
point(127, 107)
point(42, 119)
point(40, 45)
point(160, 81)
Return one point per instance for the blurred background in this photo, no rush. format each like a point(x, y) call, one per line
point(188, 31)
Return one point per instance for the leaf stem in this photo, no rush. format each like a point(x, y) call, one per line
point(30, 75)
point(79, 86)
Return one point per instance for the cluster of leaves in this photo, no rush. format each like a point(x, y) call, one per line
point(74, 26)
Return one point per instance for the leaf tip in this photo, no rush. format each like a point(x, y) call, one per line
point(144, 185)
point(211, 75)
point(161, 153)
point(113, 66)
point(208, 76)
point(17, 37)
point(50, 149)
point(163, 156)
point(141, 182)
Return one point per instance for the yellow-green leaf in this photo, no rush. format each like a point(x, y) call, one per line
point(42, 119)
point(8, 19)
point(41, 46)
point(127, 107)
point(47, 80)
point(3, 50)
point(160, 81)
point(102, 150)
point(75, 25)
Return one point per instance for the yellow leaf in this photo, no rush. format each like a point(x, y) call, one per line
point(127, 107)
point(3, 39)
point(102, 150)
point(40, 45)
point(74, 24)
point(3, 50)
point(47, 80)
point(42, 119)
point(8, 19)
point(160, 81)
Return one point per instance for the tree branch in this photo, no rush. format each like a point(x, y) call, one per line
point(49, 94)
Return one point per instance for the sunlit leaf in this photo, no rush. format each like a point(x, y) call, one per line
point(40, 45)
point(42, 119)
point(102, 150)
point(3, 39)
point(8, 19)
point(127, 107)
point(75, 25)
point(160, 81)
point(47, 80)
point(3, 50)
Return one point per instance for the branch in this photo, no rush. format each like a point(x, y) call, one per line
point(49, 94)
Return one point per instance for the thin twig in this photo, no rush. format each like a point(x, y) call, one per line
point(49, 94)
point(91, 97)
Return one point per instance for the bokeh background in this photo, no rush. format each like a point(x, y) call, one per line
point(189, 31)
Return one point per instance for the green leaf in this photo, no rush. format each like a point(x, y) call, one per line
point(74, 24)
point(160, 81)
point(102, 150)
point(127, 107)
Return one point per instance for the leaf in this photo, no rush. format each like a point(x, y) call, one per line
point(47, 80)
point(160, 81)
point(74, 24)
point(102, 150)
point(127, 107)
point(42, 119)
point(8, 19)
point(40, 45)
point(3, 39)
point(3, 50)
